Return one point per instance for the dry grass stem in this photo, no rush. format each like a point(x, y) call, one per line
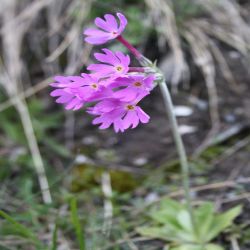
point(108, 207)
point(11, 76)
point(165, 19)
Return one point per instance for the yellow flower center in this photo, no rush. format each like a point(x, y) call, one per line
point(119, 68)
point(130, 107)
point(137, 84)
point(94, 85)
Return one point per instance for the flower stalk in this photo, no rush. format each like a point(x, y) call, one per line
point(145, 62)
point(131, 48)
point(179, 145)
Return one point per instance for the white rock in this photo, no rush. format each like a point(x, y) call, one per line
point(182, 111)
point(140, 161)
point(81, 159)
point(185, 129)
point(151, 197)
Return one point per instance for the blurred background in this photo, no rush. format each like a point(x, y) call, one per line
point(202, 46)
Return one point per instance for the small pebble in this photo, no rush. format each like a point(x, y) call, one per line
point(151, 197)
point(140, 161)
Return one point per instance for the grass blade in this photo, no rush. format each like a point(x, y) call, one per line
point(19, 228)
point(25, 232)
point(54, 238)
point(76, 223)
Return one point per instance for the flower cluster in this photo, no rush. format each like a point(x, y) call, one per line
point(112, 87)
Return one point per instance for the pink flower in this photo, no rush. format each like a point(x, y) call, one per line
point(69, 99)
point(65, 91)
point(94, 88)
point(111, 86)
point(74, 91)
point(114, 64)
point(134, 87)
point(109, 29)
point(121, 114)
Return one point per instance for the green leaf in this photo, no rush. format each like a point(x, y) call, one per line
point(167, 233)
point(184, 219)
point(204, 216)
point(162, 233)
point(188, 247)
point(166, 217)
point(175, 221)
point(170, 204)
point(167, 213)
point(197, 247)
point(76, 223)
point(222, 221)
point(214, 247)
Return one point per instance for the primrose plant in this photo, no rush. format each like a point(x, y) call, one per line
point(112, 91)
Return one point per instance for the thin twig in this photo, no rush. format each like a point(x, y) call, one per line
point(234, 243)
point(236, 198)
point(25, 94)
point(232, 150)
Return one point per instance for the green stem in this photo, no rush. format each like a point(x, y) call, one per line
point(176, 134)
point(179, 145)
point(145, 62)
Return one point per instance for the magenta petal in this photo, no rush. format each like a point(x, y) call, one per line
point(135, 121)
point(111, 21)
point(123, 22)
point(121, 81)
point(103, 120)
point(121, 56)
point(118, 125)
point(144, 118)
point(109, 57)
point(131, 119)
point(125, 59)
point(97, 120)
point(95, 32)
point(61, 79)
point(102, 24)
point(78, 106)
point(96, 40)
point(105, 124)
point(104, 107)
point(57, 92)
point(125, 94)
point(73, 103)
point(101, 69)
point(64, 99)
point(149, 82)
point(127, 120)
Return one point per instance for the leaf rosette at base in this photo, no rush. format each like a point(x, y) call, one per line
point(171, 222)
